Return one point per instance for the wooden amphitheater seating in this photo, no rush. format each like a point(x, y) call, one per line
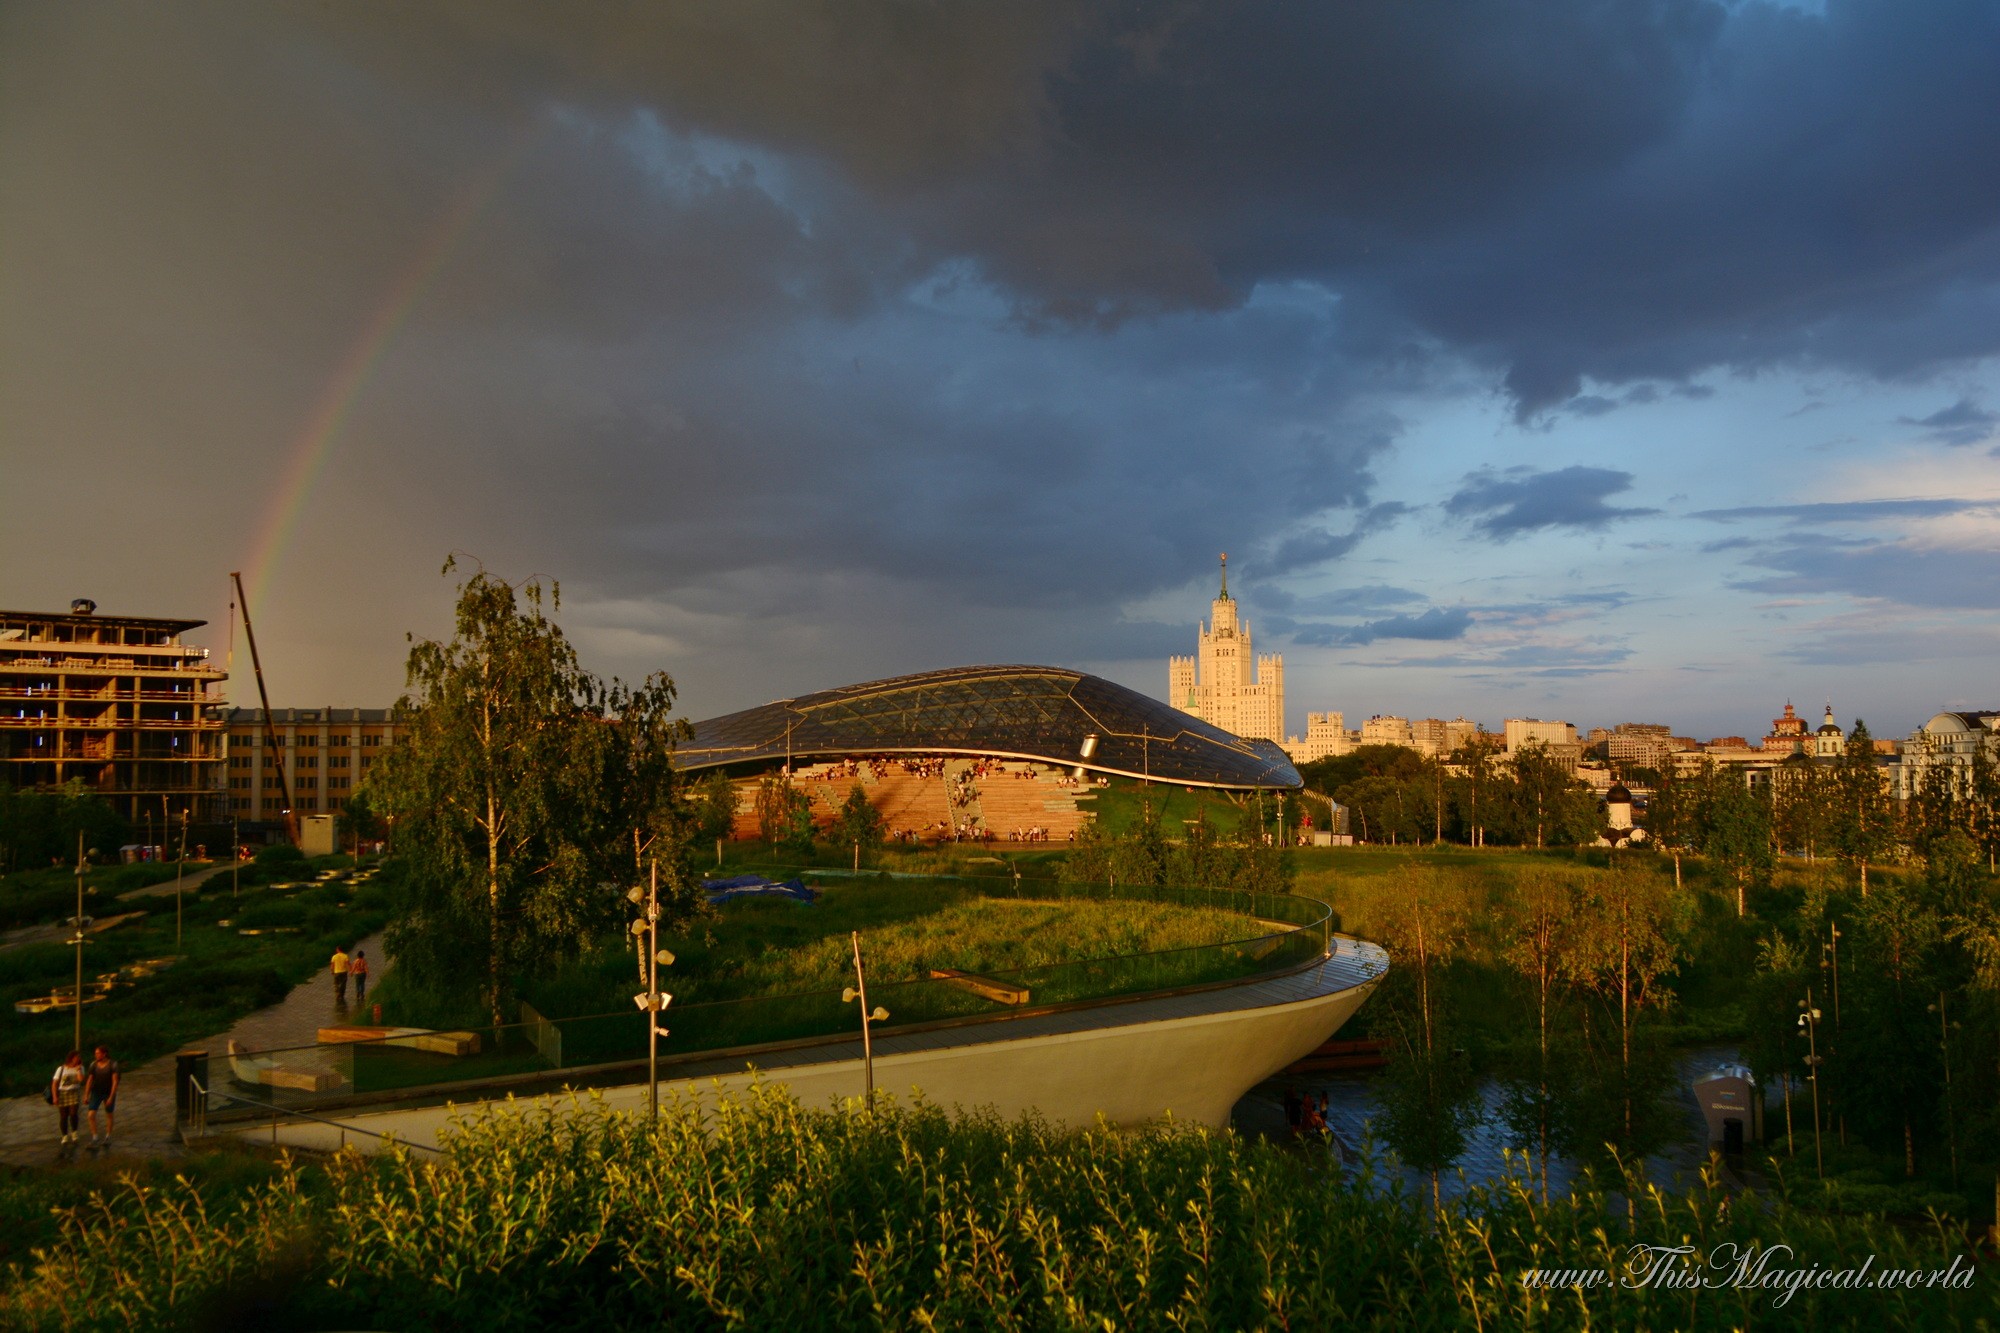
point(1011, 802)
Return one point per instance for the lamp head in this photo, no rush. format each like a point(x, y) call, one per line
point(880, 1014)
point(847, 996)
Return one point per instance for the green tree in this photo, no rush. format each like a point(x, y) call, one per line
point(784, 815)
point(1474, 761)
point(358, 821)
point(1430, 1097)
point(857, 825)
point(1805, 805)
point(1983, 800)
point(1627, 944)
point(1885, 1036)
point(1542, 925)
point(1861, 826)
point(1733, 828)
point(523, 791)
point(39, 827)
point(714, 808)
point(1548, 808)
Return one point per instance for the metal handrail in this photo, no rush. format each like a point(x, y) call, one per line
point(199, 1119)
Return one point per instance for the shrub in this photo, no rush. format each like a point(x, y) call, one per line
point(763, 1214)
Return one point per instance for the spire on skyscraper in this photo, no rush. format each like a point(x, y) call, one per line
point(1225, 577)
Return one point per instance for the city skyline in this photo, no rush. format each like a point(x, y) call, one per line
point(1606, 362)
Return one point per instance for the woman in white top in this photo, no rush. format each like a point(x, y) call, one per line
point(66, 1091)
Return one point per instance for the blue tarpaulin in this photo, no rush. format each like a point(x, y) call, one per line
point(755, 886)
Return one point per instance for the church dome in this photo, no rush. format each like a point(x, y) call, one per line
point(1619, 794)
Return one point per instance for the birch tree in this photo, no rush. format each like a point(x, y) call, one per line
point(523, 793)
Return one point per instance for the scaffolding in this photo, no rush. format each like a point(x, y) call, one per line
point(116, 702)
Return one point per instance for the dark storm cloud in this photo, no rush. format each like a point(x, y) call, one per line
point(1438, 624)
point(1317, 546)
point(858, 330)
point(1507, 504)
point(1964, 422)
point(1566, 188)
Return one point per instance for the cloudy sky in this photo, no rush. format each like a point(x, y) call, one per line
point(1611, 361)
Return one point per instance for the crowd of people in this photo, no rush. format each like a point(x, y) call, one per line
point(966, 822)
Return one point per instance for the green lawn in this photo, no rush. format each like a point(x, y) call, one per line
point(1122, 804)
point(31, 897)
point(221, 975)
point(907, 928)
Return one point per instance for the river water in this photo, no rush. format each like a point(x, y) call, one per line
point(1352, 1101)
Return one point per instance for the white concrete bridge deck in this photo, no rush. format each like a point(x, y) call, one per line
point(1189, 1055)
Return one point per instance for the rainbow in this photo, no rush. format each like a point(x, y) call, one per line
point(313, 447)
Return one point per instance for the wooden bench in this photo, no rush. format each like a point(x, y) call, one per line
point(416, 1039)
point(264, 1071)
point(1000, 992)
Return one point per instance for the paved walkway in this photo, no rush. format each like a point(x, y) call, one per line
point(146, 1094)
point(57, 931)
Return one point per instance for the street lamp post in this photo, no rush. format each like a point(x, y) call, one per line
point(1809, 1024)
point(859, 991)
point(1950, 1116)
point(651, 1001)
point(180, 869)
point(78, 941)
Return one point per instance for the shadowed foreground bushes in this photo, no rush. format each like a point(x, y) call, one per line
point(769, 1215)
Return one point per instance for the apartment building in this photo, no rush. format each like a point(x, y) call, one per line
point(324, 752)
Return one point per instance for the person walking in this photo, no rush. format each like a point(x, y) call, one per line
point(340, 966)
point(66, 1091)
point(100, 1086)
point(357, 968)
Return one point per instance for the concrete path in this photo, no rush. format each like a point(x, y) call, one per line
point(146, 1094)
point(165, 889)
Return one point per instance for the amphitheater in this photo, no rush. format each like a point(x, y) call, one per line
point(986, 753)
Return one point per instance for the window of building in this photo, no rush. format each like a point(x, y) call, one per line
point(308, 740)
point(308, 761)
point(336, 761)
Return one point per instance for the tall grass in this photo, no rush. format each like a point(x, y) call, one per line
point(764, 1214)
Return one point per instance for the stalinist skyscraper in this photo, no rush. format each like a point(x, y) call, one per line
point(1223, 683)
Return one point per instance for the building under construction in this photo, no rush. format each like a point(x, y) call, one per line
point(117, 702)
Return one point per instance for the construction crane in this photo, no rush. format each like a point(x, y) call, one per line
point(272, 754)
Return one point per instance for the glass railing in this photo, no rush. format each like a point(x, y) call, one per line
point(1281, 932)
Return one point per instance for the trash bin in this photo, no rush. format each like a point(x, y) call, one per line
point(1732, 1102)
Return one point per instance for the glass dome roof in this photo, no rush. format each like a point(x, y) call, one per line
point(1015, 712)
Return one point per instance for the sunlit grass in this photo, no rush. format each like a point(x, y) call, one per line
point(765, 1214)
